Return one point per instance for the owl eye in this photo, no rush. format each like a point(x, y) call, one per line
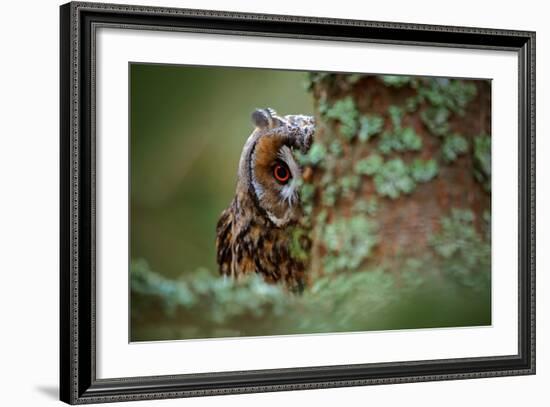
point(281, 173)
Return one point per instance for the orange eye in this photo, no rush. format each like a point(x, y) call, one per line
point(281, 173)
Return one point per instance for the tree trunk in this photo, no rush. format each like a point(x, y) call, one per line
point(393, 156)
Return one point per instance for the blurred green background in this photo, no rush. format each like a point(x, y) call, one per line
point(188, 127)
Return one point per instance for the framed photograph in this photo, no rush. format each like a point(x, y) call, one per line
point(255, 203)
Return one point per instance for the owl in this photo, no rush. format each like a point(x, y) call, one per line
point(253, 234)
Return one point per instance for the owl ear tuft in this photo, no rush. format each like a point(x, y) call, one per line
point(262, 118)
point(265, 118)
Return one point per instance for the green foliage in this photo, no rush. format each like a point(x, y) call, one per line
point(436, 119)
point(369, 126)
point(348, 242)
point(371, 292)
point(464, 255)
point(397, 81)
point(453, 146)
point(424, 170)
point(367, 299)
point(203, 291)
point(482, 160)
point(370, 165)
point(394, 179)
point(172, 293)
point(345, 112)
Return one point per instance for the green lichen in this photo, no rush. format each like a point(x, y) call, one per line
point(367, 206)
point(400, 141)
point(212, 306)
point(299, 243)
point(396, 115)
point(315, 155)
point(370, 165)
point(444, 97)
point(205, 292)
point(323, 106)
point(321, 218)
point(145, 282)
point(410, 140)
point(453, 146)
point(307, 193)
point(345, 112)
point(369, 126)
point(464, 255)
point(353, 78)
point(349, 184)
point(452, 94)
point(424, 170)
point(327, 179)
point(436, 119)
point(335, 148)
point(412, 103)
point(330, 195)
point(482, 160)
point(394, 179)
point(396, 81)
point(348, 242)
point(314, 78)
point(487, 224)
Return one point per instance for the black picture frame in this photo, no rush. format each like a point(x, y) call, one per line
point(78, 382)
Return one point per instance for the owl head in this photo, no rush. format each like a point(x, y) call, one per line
point(268, 170)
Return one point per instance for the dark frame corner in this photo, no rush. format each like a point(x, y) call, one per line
point(78, 382)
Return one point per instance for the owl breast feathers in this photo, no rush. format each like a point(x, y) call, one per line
point(253, 233)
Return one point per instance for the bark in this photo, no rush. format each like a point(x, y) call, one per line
point(406, 223)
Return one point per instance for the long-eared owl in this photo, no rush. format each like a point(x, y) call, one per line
point(253, 233)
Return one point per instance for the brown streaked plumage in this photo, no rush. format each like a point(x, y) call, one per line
point(253, 232)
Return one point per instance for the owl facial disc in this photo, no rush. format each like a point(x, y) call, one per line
point(269, 167)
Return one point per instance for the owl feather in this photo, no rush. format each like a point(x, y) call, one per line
point(253, 234)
